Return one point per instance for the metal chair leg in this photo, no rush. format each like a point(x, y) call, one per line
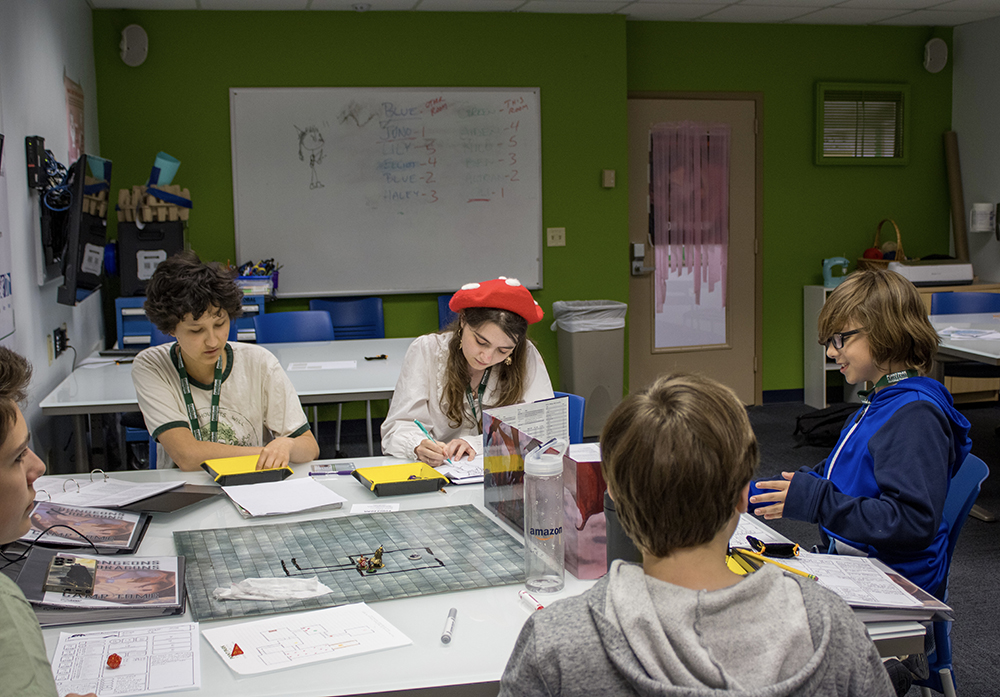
point(340, 413)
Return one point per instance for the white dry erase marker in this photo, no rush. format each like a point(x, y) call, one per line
point(449, 625)
point(530, 601)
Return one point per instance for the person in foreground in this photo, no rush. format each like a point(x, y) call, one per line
point(881, 492)
point(203, 397)
point(23, 661)
point(677, 459)
point(482, 360)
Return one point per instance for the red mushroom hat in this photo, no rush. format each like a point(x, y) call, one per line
point(502, 293)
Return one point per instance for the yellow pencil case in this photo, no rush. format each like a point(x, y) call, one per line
point(409, 478)
point(233, 471)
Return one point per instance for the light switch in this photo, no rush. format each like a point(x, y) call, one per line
point(608, 179)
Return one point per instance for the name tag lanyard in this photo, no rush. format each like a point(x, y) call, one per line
point(213, 426)
point(472, 401)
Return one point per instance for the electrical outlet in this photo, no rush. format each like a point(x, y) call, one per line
point(59, 341)
point(556, 236)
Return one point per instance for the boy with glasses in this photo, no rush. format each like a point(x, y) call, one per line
point(881, 492)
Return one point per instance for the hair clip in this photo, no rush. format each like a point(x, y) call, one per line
point(782, 550)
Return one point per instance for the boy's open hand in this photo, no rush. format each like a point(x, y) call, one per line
point(776, 496)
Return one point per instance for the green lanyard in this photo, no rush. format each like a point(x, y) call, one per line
point(472, 401)
point(213, 427)
point(886, 380)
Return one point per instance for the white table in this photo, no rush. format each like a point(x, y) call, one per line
point(106, 389)
point(983, 351)
point(487, 625)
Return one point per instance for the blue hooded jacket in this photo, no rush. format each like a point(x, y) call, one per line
point(882, 489)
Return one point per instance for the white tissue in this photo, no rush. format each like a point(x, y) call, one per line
point(272, 589)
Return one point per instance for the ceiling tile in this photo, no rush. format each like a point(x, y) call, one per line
point(791, 3)
point(837, 15)
point(936, 18)
point(570, 7)
point(971, 5)
point(253, 4)
point(470, 5)
point(757, 14)
point(374, 5)
point(890, 4)
point(145, 4)
point(666, 11)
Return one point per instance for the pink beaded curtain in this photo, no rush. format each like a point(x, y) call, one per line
point(690, 197)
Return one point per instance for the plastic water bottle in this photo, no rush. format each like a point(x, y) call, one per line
point(544, 543)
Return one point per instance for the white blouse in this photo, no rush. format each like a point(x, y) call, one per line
point(418, 397)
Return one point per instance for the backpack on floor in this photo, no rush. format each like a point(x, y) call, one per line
point(822, 427)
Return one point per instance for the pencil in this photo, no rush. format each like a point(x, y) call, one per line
point(761, 557)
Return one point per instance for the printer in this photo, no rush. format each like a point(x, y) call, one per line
point(937, 272)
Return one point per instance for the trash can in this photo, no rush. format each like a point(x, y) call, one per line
point(591, 336)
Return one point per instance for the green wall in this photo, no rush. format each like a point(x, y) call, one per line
point(812, 212)
point(177, 101)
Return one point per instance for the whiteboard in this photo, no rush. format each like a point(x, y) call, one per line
point(358, 191)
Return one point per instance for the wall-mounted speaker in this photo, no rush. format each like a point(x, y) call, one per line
point(935, 55)
point(134, 45)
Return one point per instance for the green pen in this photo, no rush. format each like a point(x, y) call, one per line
point(431, 439)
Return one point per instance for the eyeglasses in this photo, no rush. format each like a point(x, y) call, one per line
point(838, 339)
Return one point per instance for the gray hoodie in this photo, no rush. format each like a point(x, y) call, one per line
point(770, 635)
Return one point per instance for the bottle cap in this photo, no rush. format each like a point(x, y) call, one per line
point(542, 462)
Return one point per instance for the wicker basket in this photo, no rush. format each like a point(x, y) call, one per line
point(883, 263)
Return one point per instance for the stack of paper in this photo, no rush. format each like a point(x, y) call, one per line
point(278, 498)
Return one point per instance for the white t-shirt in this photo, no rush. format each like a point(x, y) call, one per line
point(256, 395)
point(418, 397)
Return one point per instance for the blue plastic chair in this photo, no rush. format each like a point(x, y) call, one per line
point(577, 404)
point(354, 318)
point(445, 315)
point(964, 303)
point(962, 493)
point(288, 327)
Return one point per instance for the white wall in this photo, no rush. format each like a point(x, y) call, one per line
point(976, 119)
point(40, 40)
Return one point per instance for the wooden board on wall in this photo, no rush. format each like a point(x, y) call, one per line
point(359, 191)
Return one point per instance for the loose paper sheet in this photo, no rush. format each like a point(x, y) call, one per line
point(322, 365)
point(283, 641)
point(163, 658)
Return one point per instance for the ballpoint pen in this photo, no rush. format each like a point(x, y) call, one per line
point(431, 439)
